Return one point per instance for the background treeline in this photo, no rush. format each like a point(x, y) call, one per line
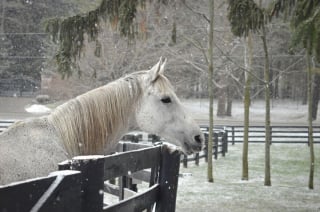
point(177, 30)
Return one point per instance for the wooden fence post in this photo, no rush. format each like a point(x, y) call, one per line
point(270, 135)
point(196, 159)
point(125, 181)
point(168, 180)
point(185, 161)
point(92, 171)
point(232, 135)
point(223, 150)
point(225, 140)
point(308, 129)
point(206, 139)
point(216, 145)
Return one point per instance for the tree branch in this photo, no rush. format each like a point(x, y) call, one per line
point(241, 67)
point(198, 13)
point(198, 45)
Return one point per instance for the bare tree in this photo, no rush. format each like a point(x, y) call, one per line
point(248, 77)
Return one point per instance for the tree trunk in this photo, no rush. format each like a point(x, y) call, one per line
point(229, 102)
point(221, 107)
point(248, 65)
point(315, 96)
point(210, 87)
point(310, 134)
point(267, 177)
point(305, 90)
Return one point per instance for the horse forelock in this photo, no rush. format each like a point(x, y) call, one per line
point(163, 85)
point(90, 122)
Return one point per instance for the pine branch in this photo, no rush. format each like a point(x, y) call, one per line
point(69, 33)
point(245, 16)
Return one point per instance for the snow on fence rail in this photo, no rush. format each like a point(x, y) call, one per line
point(83, 189)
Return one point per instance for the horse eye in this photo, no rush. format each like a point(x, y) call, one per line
point(166, 100)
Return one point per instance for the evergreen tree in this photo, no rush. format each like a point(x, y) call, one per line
point(305, 23)
point(70, 32)
point(246, 16)
point(23, 40)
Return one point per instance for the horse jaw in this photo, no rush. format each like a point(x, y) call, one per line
point(184, 133)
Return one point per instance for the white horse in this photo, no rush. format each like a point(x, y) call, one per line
point(94, 122)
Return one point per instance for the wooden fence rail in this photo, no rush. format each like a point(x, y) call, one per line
point(4, 124)
point(279, 134)
point(83, 189)
point(220, 146)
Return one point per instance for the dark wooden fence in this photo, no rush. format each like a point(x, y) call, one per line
point(279, 134)
point(83, 188)
point(220, 146)
point(53, 193)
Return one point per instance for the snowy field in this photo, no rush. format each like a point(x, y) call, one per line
point(283, 112)
point(289, 177)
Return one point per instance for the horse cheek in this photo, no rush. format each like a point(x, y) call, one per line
point(145, 121)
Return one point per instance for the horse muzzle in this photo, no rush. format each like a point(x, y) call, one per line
point(195, 146)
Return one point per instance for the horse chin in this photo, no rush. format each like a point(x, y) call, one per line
point(189, 149)
point(186, 147)
point(186, 151)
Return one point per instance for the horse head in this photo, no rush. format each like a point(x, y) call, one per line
point(162, 113)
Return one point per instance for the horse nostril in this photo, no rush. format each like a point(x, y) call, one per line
point(198, 139)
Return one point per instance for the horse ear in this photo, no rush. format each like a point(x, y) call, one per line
point(164, 62)
point(157, 69)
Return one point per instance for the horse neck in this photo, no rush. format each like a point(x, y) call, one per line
point(95, 121)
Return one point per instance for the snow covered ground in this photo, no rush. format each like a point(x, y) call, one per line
point(282, 112)
point(37, 109)
point(289, 177)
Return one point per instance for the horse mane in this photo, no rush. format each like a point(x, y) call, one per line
point(91, 122)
